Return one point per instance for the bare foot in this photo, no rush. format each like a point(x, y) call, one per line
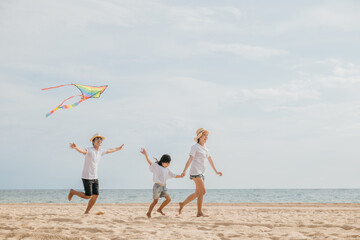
point(181, 206)
point(86, 212)
point(148, 214)
point(201, 215)
point(71, 194)
point(160, 211)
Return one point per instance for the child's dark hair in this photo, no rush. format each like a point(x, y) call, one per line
point(164, 159)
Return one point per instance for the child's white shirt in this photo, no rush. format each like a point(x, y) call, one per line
point(160, 174)
point(92, 158)
point(200, 155)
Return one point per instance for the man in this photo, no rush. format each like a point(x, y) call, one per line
point(89, 175)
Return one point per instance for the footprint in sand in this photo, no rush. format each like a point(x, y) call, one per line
point(118, 221)
point(70, 220)
point(204, 228)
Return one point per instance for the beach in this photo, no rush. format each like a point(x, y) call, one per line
point(225, 221)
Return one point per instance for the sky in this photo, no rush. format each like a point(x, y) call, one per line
point(276, 83)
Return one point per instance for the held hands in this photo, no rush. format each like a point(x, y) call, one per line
point(72, 145)
point(182, 174)
point(219, 173)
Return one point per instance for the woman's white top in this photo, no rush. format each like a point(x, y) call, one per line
point(200, 155)
point(160, 174)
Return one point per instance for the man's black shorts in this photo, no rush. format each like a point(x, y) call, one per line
point(91, 186)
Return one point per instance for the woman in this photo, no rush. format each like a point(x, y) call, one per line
point(198, 155)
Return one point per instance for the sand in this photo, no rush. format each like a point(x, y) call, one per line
point(225, 221)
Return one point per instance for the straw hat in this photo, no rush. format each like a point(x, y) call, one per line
point(199, 132)
point(95, 136)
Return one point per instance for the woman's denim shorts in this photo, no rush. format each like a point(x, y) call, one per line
point(197, 176)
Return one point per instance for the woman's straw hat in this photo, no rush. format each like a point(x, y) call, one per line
point(95, 136)
point(199, 132)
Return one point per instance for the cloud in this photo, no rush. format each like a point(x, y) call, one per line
point(293, 91)
point(318, 17)
point(335, 73)
point(341, 15)
point(177, 97)
point(53, 38)
point(203, 20)
point(174, 67)
point(246, 51)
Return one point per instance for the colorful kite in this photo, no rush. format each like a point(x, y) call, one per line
point(86, 93)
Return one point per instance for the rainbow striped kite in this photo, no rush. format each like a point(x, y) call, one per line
point(86, 93)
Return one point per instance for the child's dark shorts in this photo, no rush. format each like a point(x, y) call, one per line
point(91, 186)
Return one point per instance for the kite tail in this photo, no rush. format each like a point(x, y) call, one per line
point(57, 86)
point(48, 114)
point(65, 106)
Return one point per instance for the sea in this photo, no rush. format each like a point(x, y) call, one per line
point(177, 195)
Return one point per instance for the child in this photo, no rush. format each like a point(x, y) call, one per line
point(161, 174)
point(89, 175)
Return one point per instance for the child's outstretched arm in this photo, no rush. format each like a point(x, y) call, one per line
point(143, 151)
point(179, 176)
point(187, 165)
point(80, 150)
point(111, 150)
point(213, 166)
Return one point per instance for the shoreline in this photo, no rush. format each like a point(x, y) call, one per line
point(225, 221)
point(239, 204)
